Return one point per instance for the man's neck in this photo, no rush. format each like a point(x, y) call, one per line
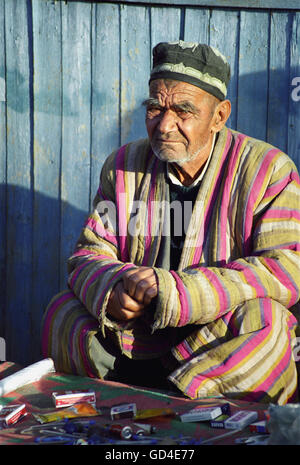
point(190, 171)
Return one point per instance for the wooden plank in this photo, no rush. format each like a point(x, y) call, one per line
point(253, 74)
point(244, 4)
point(135, 59)
point(76, 126)
point(2, 170)
point(224, 35)
point(105, 87)
point(196, 25)
point(279, 79)
point(19, 179)
point(47, 144)
point(159, 18)
point(294, 101)
point(165, 25)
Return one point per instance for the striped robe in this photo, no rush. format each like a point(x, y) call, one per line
point(224, 322)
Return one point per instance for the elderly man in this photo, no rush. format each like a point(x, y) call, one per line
point(186, 273)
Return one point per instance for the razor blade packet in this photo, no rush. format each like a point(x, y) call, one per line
point(241, 419)
point(205, 413)
point(10, 414)
point(80, 409)
point(259, 427)
point(238, 420)
point(123, 411)
point(129, 410)
point(219, 422)
point(68, 398)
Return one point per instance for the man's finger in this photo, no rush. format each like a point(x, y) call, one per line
point(138, 281)
point(150, 294)
point(121, 306)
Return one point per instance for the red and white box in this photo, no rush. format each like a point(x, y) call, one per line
point(10, 414)
point(68, 398)
point(123, 411)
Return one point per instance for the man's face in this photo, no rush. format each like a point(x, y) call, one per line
point(179, 120)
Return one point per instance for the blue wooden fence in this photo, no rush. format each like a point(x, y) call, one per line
point(72, 78)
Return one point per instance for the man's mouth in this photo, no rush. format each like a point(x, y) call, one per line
point(168, 141)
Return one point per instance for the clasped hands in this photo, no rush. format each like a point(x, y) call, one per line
point(133, 294)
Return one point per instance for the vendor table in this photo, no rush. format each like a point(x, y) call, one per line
point(170, 429)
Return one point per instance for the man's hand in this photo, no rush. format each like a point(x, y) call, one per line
point(141, 284)
point(130, 297)
point(121, 306)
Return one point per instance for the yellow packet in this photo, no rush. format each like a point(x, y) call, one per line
point(83, 409)
point(154, 412)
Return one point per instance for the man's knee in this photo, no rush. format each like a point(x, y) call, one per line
point(256, 314)
point(67, 329)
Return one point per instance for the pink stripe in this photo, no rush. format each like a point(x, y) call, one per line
point(91, 256)
point(184, 349)
point(93, 278)
point(291, 177)
point(121, 203)
point(81, 330)
point(295, 177)
point(184, 310)
point(226, 197)
point(252, 279)
point(295, 247)
point(278, 187)
point(85, 264)
point(283, 277)
point(81, 252)
point(284, 362)
point(46, 329)
point(280, 213)
point(101, 231)
point(277, 370)
point(243, 352)
point(210, 203)
point(151, 197)
point(222, 295)
point(77, 272)
point(254, 191)
point(250, 276)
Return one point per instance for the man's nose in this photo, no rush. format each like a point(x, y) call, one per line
point(167, 121)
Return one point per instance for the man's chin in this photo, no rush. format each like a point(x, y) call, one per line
point(168, 157)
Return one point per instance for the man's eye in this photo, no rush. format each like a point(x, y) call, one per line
point(183, 113)
point(153, 111)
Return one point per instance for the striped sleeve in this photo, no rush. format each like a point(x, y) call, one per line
point(96, 265)
point(269, 262)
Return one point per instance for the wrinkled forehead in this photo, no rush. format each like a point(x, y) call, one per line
point(165, 89)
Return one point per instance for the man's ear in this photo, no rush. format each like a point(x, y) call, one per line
point(221, 115)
